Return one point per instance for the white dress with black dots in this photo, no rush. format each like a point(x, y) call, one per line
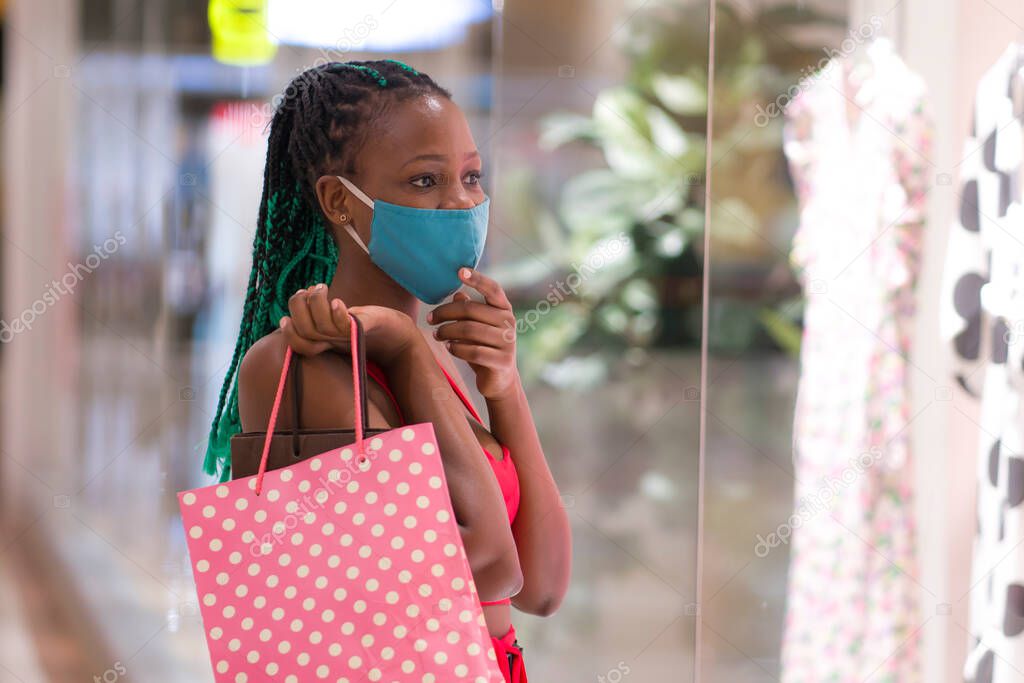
point(983, 321)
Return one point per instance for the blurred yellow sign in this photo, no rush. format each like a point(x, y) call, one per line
point(239, 29)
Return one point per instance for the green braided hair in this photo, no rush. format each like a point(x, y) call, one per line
point(319, 125)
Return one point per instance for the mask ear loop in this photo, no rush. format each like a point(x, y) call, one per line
point(366, 200)
point(355, 236)
point(356, 191)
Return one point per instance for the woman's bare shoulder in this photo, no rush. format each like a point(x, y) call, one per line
point(258, 374)
point(324, 376)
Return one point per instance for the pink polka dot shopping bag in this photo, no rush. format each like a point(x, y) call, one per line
point(344, 567)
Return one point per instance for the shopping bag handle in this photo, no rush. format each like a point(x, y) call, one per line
point(358, 389)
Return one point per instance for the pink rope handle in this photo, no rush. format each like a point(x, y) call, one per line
point(273, 419)
point(280, 394)
point(355, 388)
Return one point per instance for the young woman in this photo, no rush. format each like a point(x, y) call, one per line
point(376, 153)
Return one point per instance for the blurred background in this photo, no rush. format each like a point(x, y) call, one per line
point(696, 392)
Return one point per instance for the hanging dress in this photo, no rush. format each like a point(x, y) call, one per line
point(857, 139)
point(982, 319)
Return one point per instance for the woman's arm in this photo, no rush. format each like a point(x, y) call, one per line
point(416, 379)
point(541, 527)
point(393, 340)
point(483, 335)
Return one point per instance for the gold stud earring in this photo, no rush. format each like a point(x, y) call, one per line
point(342, 218)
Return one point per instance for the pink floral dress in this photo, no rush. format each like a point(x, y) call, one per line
point(857, 138)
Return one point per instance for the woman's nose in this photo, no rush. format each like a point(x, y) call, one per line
point(458, 198)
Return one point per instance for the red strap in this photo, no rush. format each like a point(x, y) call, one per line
point(503, 601)
point(459, 392)
point(378, 375)
point(280, 393)
point(506, 474)
point(504, 645)
point(518, 673)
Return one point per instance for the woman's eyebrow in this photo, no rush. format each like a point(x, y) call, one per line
point(439, 157)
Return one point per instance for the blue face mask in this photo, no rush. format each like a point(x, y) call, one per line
point(423, 249)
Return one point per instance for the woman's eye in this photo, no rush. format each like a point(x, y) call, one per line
point(473, 178)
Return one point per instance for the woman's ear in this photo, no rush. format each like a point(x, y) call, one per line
point(331, 194)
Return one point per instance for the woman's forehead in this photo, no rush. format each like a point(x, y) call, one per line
point(427, 125)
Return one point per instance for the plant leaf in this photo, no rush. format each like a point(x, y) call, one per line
point(559, 128)
point(680, 94)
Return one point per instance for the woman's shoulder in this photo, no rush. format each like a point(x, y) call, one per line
point(326, 375)
point(267, 352)
point(258, 373)
point(265, 358)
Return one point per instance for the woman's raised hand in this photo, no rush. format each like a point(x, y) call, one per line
point(317, 323)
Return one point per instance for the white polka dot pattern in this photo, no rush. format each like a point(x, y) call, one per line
point(340, 570)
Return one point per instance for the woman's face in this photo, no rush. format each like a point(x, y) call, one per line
point(423, 155)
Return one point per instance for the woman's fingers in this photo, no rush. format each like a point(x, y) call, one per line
point(302, 319)
point(320, 311)
point(369, 316)
point(300, 343)
point(469, 310)
point(476, 354)
point(492, 292)
point(471, 331)
point(314, 317)
point(340, 318)
point(316, 323)
point(495, 309)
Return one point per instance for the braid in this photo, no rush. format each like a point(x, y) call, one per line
point(319, 124)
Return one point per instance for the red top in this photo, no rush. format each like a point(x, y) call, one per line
point(504, 469)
